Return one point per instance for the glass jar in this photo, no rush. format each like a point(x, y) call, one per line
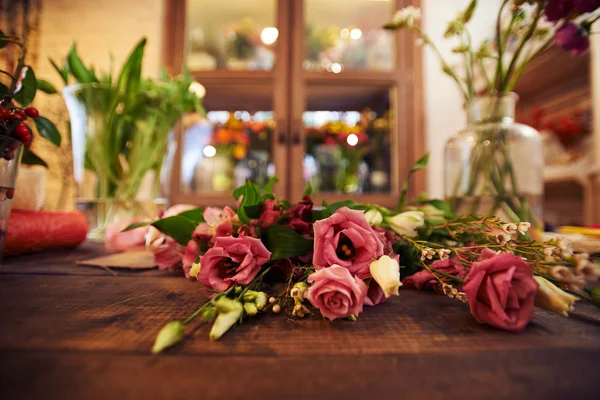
point(494, 167)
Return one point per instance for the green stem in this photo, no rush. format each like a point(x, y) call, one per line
point(454, 278)
point(254, 282)
point(499, 67)
point(203, 307)
point(521, 69)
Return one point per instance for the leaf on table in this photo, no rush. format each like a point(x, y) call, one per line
point(141, 259)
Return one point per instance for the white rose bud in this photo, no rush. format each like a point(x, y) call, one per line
point(374, 217)
point(230, 312)
point(406, 223)
point(169, 335)
point(386, 273)
point(552, 298)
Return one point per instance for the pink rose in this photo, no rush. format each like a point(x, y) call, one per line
point(168, 255)
point(336, 293)
point(115, 240)
point(218, 222)
point(269, 214)
point(375, 294)
point(425, 280)
point(346, 239)
point(386, 237)
point(232, 260)
point(300, 216)
point(501, 291)
point(190, 255)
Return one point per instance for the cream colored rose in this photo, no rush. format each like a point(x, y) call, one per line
point(386, 272)
point(406, 223)
point(552, 298)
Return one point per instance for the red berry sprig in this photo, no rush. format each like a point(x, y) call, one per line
point(20, 131)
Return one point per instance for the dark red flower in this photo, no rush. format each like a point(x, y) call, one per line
point(300, 216)
point(269, 214)
point(558, 9)
point(573, 39)
point(586, 6)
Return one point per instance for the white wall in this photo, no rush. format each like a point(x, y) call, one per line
point(444, 113)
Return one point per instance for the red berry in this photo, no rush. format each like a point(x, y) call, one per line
point(32, 112)
point(22, 130)
point(22, 115)
point(4, 112)
point(10, 193)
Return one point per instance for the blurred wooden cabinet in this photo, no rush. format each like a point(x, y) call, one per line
point(306, 90)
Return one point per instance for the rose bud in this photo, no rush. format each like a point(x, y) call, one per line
point(169, 335)
point(229, 312)
point(374, 217)
point(386, 272)
point(552, 298)
point(406, 223)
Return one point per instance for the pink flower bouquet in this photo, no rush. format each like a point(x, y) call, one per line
point(268, 255)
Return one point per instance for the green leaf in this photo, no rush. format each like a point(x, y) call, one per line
point(308, 190)
point(178, 227)
point(196, 215)
point(131, 74)
point(136, 225)
point(237, 192)
point(594, 296)
point(77, 69)
point(284, 242)
point(2, 41)
point(45, 86)
point(420, 164)
point(30, 158)
point(251, 197)
point(468, 13)
point(269, 186)
point(252, 211)
point(47, 129)
point(63, 72)
point(26, 94)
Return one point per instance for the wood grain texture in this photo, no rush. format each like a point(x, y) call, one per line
point(74, 336)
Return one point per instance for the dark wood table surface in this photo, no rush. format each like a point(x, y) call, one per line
point(74, 332)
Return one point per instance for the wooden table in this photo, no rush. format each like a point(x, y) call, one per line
point(74, 332)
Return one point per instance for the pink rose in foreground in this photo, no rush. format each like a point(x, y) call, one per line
point(168, 255)
point(425, 280)
point(501, 291)
point(269, 214)
point(232, 260)
point(346, 239)
point(190, 255)
point(116, 241)
point(218, 222)
point(386, 237)
point(336, 293)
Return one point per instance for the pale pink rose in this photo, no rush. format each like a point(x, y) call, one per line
point(346, 239)
point(115, 240)
point(501, 291)
point(336, 293)
point(218, 222)
point(269, 214)
point(190, 255)
point(168, 255)
point(425, 280)
point(386, 237)
point(232, 261)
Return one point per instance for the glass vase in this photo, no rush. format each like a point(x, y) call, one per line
point(351, 172)
point(11, 151)
point(494, 167)
point(118, 156)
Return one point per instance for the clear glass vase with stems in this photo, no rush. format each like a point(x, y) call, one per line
point(118, 155)
point(11, 151)
point(494, 167)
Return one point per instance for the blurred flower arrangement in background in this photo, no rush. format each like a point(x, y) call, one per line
point(244, 38)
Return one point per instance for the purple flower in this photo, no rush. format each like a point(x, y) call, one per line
point(558, 9)
point(586, 6)
point(573, 39)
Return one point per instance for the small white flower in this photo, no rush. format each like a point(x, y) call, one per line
point(407, 223)
point(503, 238)
point(406, 17)
point(386, 273)
point(565, 245)
point(549, 251)
point(374, 217)
point(198, 89)
point(524, 227)
point(588, 269)
point(444, 254)
point(511, 228)
point(427, 253)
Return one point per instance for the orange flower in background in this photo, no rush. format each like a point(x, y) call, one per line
point(239, 152)
point(223, 136)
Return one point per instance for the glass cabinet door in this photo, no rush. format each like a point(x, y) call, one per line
point(347, 140)
point(346, 35)
point(231, 35)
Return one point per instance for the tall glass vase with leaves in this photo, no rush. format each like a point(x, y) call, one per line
point(494, 166)
point(120, 129)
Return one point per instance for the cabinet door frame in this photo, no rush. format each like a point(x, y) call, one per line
point(406, 107)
